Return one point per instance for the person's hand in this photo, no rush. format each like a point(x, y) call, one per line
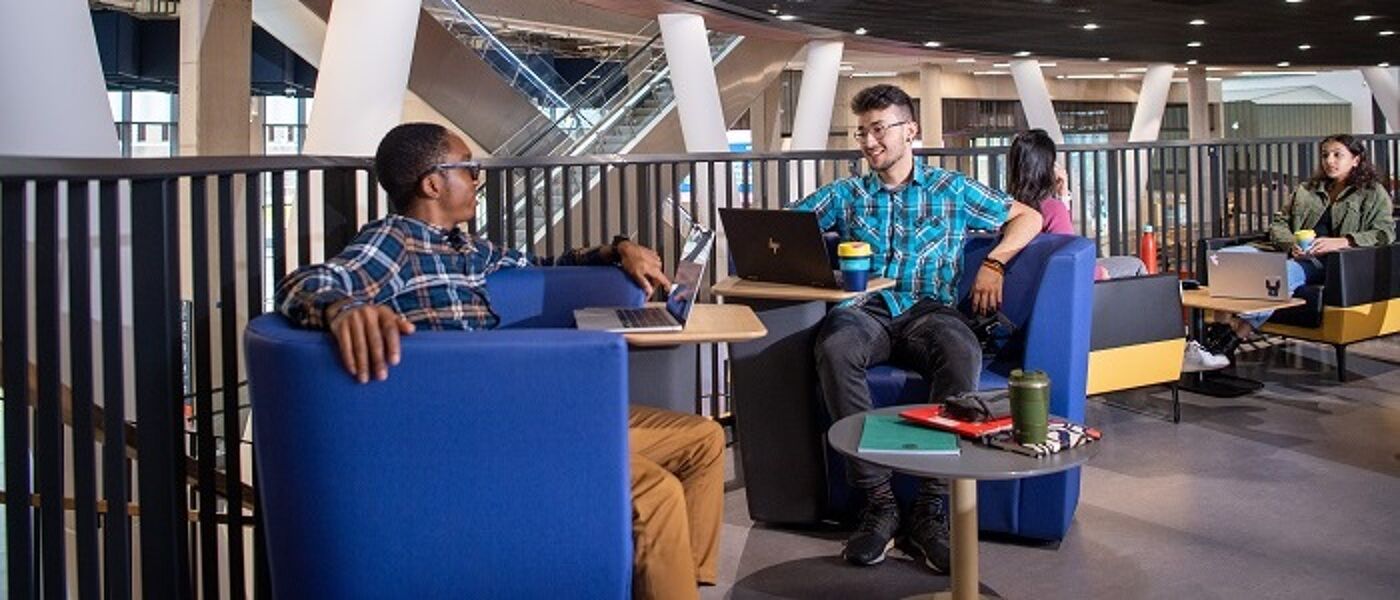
point(643, 266)
point(1296, 251)
point(1061, 181)
point(986, 291)
point(1323, 245)
point(368, 338)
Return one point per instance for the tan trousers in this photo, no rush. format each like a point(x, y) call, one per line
point(677, 466)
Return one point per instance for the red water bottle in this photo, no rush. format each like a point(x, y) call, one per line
point(1147, 249)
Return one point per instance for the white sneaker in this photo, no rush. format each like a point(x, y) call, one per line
point(1197, 359)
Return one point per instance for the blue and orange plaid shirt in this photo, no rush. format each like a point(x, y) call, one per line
point(435, 278)
point(915, 231)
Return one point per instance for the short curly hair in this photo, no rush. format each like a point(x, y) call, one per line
point(880, 97)
point(405, 153)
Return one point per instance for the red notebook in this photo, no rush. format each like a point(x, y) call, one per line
point(931, 416)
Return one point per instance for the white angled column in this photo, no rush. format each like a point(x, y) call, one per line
point(693, 79)
point(1152, 102)
point(54, 101)
point(1035, 98)
point(363, 75)
point(1386, 91)
point(931, 105)
point(811, 123)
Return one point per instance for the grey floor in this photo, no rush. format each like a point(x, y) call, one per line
point(1292, 492)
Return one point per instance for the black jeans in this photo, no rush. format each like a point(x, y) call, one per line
point(931, 339)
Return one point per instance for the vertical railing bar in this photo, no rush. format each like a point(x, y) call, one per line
point(116, 529)
point(203, 374)
point(568, 208)
point(585, 207)
point(508, 176)
point(80, 359)
point(254, 243)
point(603, 202)
point(676, 208)
point(624, 199)
point(228, 320)
point(714, 348)
point(277, 196)
point(14, 322)
point(156, 330)
point(372, 209)
point(748, 183)
point(303, 217)
point(48, 426)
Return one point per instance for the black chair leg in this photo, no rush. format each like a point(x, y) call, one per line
point(1176, 404)
point(1341, 350)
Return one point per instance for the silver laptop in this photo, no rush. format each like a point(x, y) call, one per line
point(1253, 275)
point(685, 284)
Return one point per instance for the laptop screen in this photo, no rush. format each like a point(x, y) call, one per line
point(689, 272)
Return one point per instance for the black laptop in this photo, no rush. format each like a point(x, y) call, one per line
point(778, 246)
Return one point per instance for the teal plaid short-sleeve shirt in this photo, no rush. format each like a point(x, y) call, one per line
point(915, 231)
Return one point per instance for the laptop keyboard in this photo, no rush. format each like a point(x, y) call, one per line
point(644, 317)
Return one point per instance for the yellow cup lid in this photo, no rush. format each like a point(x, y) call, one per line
point(853, 249)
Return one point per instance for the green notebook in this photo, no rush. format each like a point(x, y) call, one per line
point(890, 434)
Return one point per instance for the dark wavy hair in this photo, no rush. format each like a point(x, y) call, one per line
point(405, 153)
point(1032, 165)
point(880, 97)
point(1362, 176)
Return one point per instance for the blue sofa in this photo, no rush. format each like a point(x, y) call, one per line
point(1048, 295)
point(489, 464)
point(793, 477)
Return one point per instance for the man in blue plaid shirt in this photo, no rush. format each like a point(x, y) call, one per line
point(915, 219)
point(415, 268)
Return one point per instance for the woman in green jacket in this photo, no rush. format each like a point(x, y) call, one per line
point(1343, 206)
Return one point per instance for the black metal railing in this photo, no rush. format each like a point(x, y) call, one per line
point(106, 253)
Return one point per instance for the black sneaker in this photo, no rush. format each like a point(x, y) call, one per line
point(928, 533)
point(874, 536)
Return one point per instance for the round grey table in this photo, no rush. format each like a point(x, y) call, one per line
point(973, 462)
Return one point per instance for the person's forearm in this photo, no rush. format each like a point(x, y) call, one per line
point(1016, 233)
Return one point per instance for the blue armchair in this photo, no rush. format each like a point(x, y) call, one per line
point(1048, 295)
point(489, 464)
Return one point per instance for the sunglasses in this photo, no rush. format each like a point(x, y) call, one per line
point(473, 168)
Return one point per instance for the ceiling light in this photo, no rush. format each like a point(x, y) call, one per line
point(1091, 26)
point(1048, 65)
point(1022, 54)
point(1191, 62)
point(1133, 70)
point(1213, 79)
point(1285, 64)
point(875, 74)
point(1197, 22)
point(1215, 68)
point(787, 17)
point(991, 72)
point(1089, 76)
point(1193, 44)
point(773, 11)
point(847, 68)
point(967, 60)
point(1304, 47)
point(1001, 65)
point(1384, 65)
point(861, 31)
point(932, 44)
point(1103, 59)
point(1274, 73)
point(1363, 17)
point(1292, 1)
point(1387, 32)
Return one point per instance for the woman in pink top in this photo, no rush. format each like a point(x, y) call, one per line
point(1037, 181)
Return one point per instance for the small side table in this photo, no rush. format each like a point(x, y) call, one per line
point(661, 365)
point(974, 462)
point(1215, 383)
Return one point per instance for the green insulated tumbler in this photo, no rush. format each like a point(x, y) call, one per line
point(1030, 406)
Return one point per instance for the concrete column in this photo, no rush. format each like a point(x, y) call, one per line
point(1035, 98)
point(693, 79)
point(764, 118)
point(1198, 103)
point(54, 101)
point(811, 125)
point(1386, 91)
point(363, 75)
point(215, 76)
point(1152, 102)
point(931, 105)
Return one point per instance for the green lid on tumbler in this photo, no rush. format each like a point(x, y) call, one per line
point(1030, 405)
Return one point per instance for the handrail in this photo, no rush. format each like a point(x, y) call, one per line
point(484, 31)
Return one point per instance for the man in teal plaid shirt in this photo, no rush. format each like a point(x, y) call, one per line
point(915, 219)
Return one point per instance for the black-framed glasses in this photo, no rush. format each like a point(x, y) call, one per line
point(877, 130)
point(473, 168)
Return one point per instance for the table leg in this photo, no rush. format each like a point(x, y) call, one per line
point(965, 579)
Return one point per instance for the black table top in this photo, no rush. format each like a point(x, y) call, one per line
point(975, 461)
